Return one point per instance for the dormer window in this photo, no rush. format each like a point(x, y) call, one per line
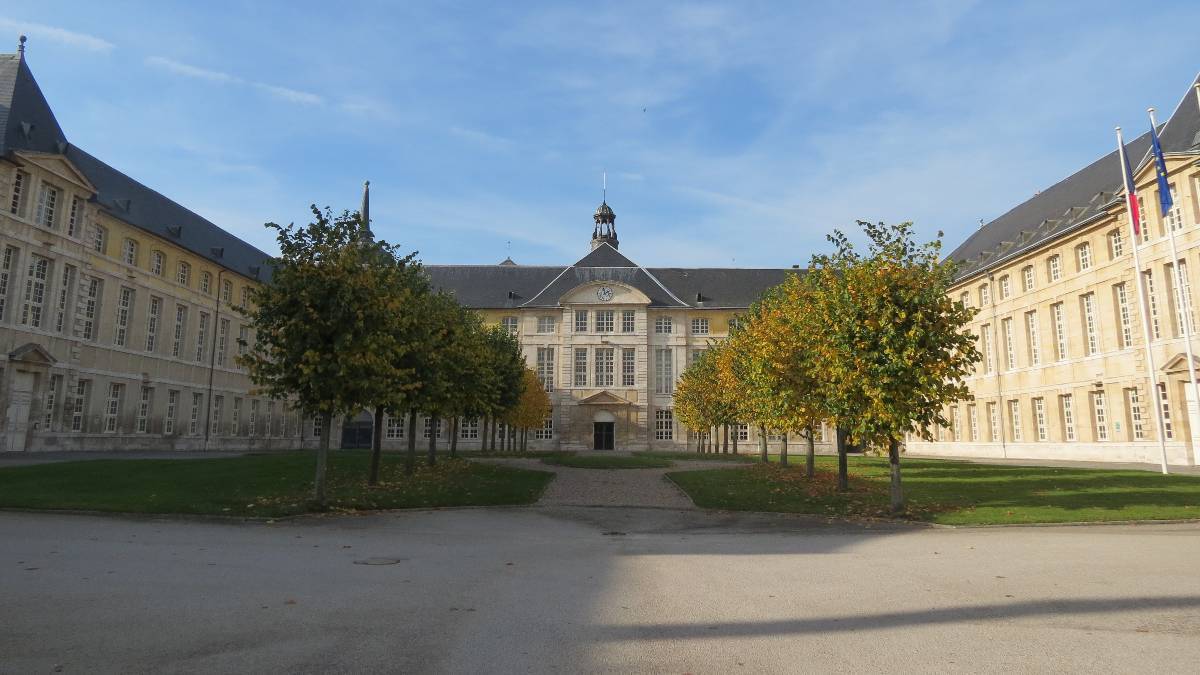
point(129, 252)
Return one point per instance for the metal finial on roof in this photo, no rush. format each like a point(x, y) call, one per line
point(21, 46)
point(365, 212)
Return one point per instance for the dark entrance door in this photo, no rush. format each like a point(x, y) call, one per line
point(603, 435)
point(356, 431)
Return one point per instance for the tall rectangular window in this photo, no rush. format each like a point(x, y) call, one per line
point(545, 367)
point(1165, 407)
point(153, 316)
point(1185, 296)
point(35, 291)
point(129, 252)
point(172, 412)
point(143, 412)
point(243, 340)
point(218, 408)
point(222, 338)
point(430, 427)
point(227, 292)
point(581, 370)
point(156, 263)
point(1087, 303)
point(1066, 407)
point(627, 320)
point(985, 295)
point(194, 418)
point(1005, 287)
point(1152, 304)
point(1014, 418)
point(184, 274)
point(1124, 319)
point(1054, 267)
point(663, 325)
point(664, 371)
point(202, 336)
point(7, 263)
point(75, 217)
point(66, 287)
point(699, 326)
point(1175, 307)
point(124, 311)
point(973, 414)
point(1039, 417)
point(1100, 415)
point(1116, 245)
point(510, 324)
point(252, 421)
point(545, 324)
point(180, 330)
point(99, 239)
point(1083, 256)
point(112, 407)
point(269, 429)
point(235, 424)
point(1033, 338)
point(604, 367)
point(1060, 331)
point(1133, 408)
point(985, 345)
point(664, 425)
point(47, 206)
point(1010, 347)
point(395, 427)
point(1173, 219)
point(89, 308)
point(83, 389)
point(1027, 278)
point(469, 428)
point(628, 372)
point(604, 321)
point(994, 421)
point(53, 386)
point(742, 432)
point(546, 431)
point(20, 185)
point(581, 321)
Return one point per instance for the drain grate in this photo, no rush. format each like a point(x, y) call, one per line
point(379, 561)
point(613, 533)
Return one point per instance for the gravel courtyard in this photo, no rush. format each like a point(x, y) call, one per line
point(577, 589)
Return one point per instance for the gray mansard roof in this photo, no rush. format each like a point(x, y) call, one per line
point(27, 123)
point(1074, 201)
point(512, 286)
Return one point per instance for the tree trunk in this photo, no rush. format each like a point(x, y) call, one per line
point(410, 458)
point(762, 444)
point(810, 460)
point(524, 440)
point(843, 483)
point(433, 429)
point(725, 441)
point(897, 490)
point(454, 424)
point(783, 458)
point(322, 461)
point(483, 432)
point(495, 423)
point(735, 439)
point(376, 447)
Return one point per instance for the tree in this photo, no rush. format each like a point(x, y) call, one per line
point(316, 322)
point(532, 407)
point(895, 351)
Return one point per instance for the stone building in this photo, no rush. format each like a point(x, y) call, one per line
point(116, 324)
point(1065, 373)
point(608, 337)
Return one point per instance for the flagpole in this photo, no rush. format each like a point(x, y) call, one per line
point(1181, 301)
point(1131, 200)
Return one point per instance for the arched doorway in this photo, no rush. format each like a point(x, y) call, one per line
point(604, 430)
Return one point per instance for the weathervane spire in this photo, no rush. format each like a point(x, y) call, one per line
point(21, 47)
point(365, 212)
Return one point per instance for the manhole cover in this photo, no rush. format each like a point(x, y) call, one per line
point(379, 561)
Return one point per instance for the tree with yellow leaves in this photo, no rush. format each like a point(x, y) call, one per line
point(532, 407)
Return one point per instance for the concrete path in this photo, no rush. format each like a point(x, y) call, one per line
point(612, 487)
point(591, 590)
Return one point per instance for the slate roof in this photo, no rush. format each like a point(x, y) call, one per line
point(27, 123)
point(1074, 201)
point(514, 286)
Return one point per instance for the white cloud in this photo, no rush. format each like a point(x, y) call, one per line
point(59, 35)
point(216, 76)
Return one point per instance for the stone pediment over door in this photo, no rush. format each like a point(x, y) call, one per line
point(1178, 364)
point(605, 398)
point(32, 354)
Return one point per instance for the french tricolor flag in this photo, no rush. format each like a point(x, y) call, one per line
point(1135, 216)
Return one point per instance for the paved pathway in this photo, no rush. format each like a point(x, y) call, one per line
point(613, 487)
point(588, 590)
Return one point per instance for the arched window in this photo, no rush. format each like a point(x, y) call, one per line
point(185, 273)
point(129, 252)
point(156, 263)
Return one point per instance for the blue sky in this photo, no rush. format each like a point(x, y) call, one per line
point(733, 134)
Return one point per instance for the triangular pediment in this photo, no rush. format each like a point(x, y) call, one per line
point(31, 353)
point(605, 398)
point(58, 166)
point(605, 255)
point(1178, 364)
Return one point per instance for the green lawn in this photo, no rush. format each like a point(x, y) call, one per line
point(953, 493)
point(636, 461)
point(261, 485)
point(695, 456)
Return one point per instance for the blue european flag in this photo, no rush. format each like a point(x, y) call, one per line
point(1160, 169)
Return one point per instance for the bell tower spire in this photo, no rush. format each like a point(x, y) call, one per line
point(605, 231)
point(365, 211)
